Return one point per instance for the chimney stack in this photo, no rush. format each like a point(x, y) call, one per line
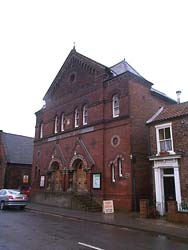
point(178, 93)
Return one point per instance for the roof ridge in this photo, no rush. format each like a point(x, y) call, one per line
point(17, 135)
point(155, 115)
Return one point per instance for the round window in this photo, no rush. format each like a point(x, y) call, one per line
point(115, 140)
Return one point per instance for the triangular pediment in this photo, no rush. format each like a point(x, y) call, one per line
point(76, 70)
point(80, 149)
point(57, 153)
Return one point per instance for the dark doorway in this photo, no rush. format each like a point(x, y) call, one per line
point(169, 189)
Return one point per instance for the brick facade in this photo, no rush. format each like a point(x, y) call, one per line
point(105, 139)
point(179, 126)
point(15, 160)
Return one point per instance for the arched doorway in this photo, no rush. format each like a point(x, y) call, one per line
point(55, 179)
point(79, 177)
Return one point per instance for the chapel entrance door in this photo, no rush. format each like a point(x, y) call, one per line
point(55, 178)
point(80, 177)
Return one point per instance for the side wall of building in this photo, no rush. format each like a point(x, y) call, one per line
point(143, 104)
point(17, 176)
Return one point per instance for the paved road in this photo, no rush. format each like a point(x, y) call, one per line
point(29, 230)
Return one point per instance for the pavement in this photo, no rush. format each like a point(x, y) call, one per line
point(158, 226)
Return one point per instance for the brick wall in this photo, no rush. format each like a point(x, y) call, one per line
point(180, 141)
point(14, 175)
point(137, 104)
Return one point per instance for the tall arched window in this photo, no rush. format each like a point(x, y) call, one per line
point(120, 167)
point(85, 115)
point(76, 118)
point(56, 125)
point(115, 106)
point(113, 172)
point(62, 122)
point(41, 130)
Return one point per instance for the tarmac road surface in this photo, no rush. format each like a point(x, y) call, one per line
point(32, 230)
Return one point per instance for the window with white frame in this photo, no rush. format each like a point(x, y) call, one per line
point(76, 118)
point(62, 122)
point(115, 106)
point(120, 167)
point(41, 131)
point(164, 138)
point(85, 115)
point(113, 172)
point(56, 125)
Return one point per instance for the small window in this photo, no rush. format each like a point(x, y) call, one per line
point(120, 167)
point(72, 77)
point(63, 122)
point(115, 106)
point(85, 115)
point(41, 131)
point(56, 125)
point(113, 172)
point(168, 171)
point(76, 118)
point(164, 138)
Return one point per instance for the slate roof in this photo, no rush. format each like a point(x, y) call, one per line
point(170, 112)
point(123, 67)
point(18, 148)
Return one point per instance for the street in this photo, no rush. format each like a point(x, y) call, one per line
point(30, 230)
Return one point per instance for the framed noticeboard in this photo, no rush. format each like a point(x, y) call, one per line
point(96, 181)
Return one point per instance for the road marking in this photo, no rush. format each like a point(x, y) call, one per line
point(90, 246)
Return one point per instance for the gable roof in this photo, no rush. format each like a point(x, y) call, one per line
point(170, 112)
point(65, 65)
point(114, 71)
point(18, 148)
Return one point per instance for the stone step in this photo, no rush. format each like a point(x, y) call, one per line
point(88, 204)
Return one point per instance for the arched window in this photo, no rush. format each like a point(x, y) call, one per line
point(62, 122)
point(85, 115)
point(115, 106)
point(35, 173)
point(41, 130)
point(113, 172)
point(120, 167)
point(76, 118)
point(56, 125)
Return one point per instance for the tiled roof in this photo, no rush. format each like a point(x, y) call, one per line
point(170, 112)
point(18, 148)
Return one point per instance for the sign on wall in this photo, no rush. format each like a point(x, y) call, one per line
point(96, 180)
point(25, 179)
point(42, 181)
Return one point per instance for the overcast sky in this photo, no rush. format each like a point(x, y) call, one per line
point(36, 36)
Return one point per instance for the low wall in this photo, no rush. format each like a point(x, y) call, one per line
point(174, 215)
point(146, 211)
point(59, 199)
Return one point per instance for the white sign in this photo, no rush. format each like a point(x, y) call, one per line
point(42, 181)
point(108, 207)
point(97, 181)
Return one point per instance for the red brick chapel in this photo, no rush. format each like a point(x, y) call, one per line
point(91, 136)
